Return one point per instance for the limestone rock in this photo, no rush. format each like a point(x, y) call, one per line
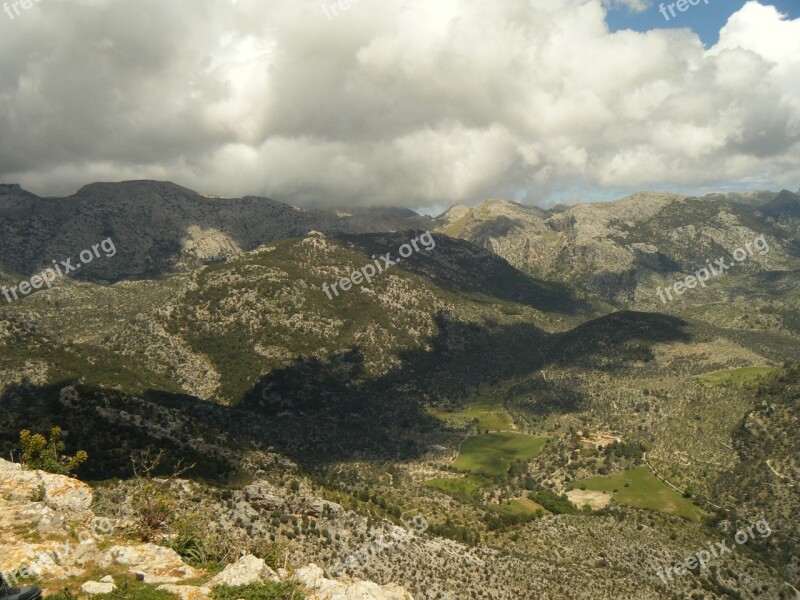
point(70, 497)
point(157, 564)
point(94, 588)
point(245, 571)
point(318, 587)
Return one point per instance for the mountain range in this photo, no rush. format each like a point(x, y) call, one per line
point(208, 334)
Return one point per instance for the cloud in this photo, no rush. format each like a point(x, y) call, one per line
point(403, 102)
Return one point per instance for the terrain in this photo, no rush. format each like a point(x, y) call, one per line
point(519, 384)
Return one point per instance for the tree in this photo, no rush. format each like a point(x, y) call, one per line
point(46, 454)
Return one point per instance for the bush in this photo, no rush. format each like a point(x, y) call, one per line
point(157, 514)
point(153, 507)
point(558, 505)
point(259, 591)
point(45, 455)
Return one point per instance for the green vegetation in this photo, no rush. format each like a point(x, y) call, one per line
point(485, 411)
point(643, 490)
point(46, 454)
point(559, 505)
point(469, 486)
point(736, 376)
point(503, 516)
point(489, 418)
point(493, 453)
point(521, 506)
point(128, 591)
point(259, 591)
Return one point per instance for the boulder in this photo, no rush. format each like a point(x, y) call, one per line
point(157, 564)
point(245, 571)
point(69, 497)
point(95, 588)
point(318, 587)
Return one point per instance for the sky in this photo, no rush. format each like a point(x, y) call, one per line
point(402, 102)
point(704, 19)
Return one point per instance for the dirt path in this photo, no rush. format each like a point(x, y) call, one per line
point(660, 478)
point(781, 477)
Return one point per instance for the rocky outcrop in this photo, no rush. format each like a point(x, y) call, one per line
point(247, 570)
point(61, 494)
point(318, 587)
point(39, 505)
point(156, 563)
point(95, 588)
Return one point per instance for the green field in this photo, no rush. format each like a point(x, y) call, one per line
point(644, 490)
point(485, 407)
point(490, 417)
point(738, 376)
point(522, 506)
point(493, 453)
point(470, 486)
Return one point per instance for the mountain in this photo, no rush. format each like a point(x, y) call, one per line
point(158, 227)
point(513, 380)
point(623, 250)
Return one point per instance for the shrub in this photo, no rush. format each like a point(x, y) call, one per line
point(558, 505)
point(46, 454)
point(259, 591)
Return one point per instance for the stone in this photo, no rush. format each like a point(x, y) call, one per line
point(318, 587)
point(68, 497)
point(155, 563)
point(247, 570)
point(94, 588)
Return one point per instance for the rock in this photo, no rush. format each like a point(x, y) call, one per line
point(264, 496)
point(156, 564)
point(318, 587)
point(50, 521)
point(69, 497)
point(94, 588)
point(186, 592)
point(107, 579)
point(245, 571)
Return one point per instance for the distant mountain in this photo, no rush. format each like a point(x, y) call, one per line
point(620, 249)
point(221, 344)
point(784, 206)
point(157, 227)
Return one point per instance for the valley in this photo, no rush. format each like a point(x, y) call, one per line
point(556, 438)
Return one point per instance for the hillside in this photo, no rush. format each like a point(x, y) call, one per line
point(558, 442)
point(158, 227)
point(624, 249)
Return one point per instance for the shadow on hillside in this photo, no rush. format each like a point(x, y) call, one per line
point(614, 340)
point(467, 268)
point(318, 411)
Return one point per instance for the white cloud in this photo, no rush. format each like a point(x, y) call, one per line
point(393, 101)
